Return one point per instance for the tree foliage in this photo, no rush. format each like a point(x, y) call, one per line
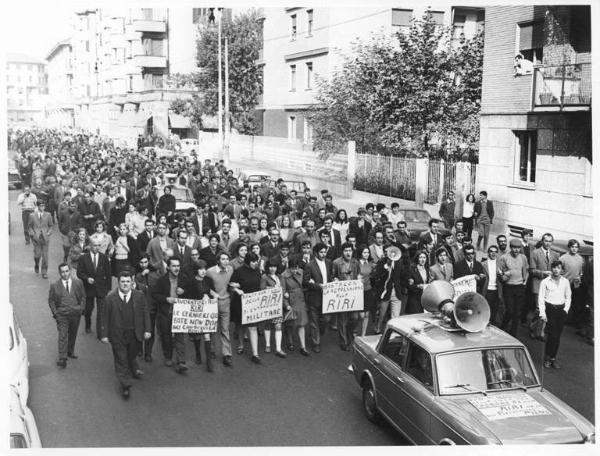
point(245, 78)
point(415, 93)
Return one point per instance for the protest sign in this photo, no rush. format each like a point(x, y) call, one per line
point(194, 316)
point(343, 296)
point(505, 406)
point(464, 285)
point(262, 305)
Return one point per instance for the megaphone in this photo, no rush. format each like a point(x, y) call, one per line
point(471, 312)
point(436, 294)
point(394, 253)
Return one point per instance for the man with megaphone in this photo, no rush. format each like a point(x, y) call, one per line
point(390, 279)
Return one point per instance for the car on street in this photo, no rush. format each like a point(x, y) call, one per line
point(18, 358)
point(23, 429)
point(297, 185)
point(14, 179)
point(445, 386)
point(184, 198)
point(417, 221)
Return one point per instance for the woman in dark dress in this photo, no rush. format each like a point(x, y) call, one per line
point(246, 280)
point(270, 279)
point(418, 279)
point(293, 299)
point(366, 270)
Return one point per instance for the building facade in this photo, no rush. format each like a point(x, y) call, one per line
point(26, 88)
point(300, 44)
point(122, 62)
point(58, 109)
point(535, 158)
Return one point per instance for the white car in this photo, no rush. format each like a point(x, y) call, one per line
point(23, 429)
point(19, 362)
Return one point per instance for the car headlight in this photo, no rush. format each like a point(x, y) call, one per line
point(590, 438)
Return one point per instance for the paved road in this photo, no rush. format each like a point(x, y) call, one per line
point(296, 401)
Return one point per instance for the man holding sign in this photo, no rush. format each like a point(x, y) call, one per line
point(347, 268)
point(470, 266)
point(317, 273)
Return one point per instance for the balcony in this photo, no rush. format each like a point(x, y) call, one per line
point(562, 87)
point(143, 25)
point(150, 61)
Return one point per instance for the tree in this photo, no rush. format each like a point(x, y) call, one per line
point(412, 94)
point(244, 35)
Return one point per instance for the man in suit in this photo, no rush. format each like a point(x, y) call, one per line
point(336, 238)
point(539, 265)
point(492, 285)
point(209, 254)
point(158, 245)
point(390, 279)
point(483, 212)
point(431, 234)
point(167, 289)
point(90, 212)
point(447, 243)
point(317, 272)
point(282, 259)
point(66, 299)
point(272, 247)
point(199, 220)
point(40, 229)
point(145, 236)
point(377, 248)
point(305, 255)
point(470, 266)
point(125, 324)
point(184, 253)
point(94, 270)
point(442, 270)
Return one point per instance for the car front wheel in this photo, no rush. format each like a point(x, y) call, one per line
point(369, 405)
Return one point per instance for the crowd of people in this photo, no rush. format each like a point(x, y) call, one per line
point(118, 221)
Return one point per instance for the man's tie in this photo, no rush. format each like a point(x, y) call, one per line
point(95, 260)
point(181, 250)
point(67, 286)
point(470, 267)
point(547, 257)
point(40, 214)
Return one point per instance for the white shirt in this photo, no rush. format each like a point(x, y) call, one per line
point(395, 218)
point(322, 268)
point(554, 293)
point(125, 297)
point(492, 268)
point(67, 284)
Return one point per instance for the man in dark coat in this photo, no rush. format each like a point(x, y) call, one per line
point(470, 266)
point(94, 270)
point(125, 324)
point(90, 212)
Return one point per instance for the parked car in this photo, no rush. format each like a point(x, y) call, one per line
point(14, 179)
point(23, 429)
point(445, 386)
point(299, 186)
point(417, 221)
point(254, 179)
point(184, 198)
point(18, 358)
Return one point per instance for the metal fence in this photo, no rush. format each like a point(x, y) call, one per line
point(396, 177)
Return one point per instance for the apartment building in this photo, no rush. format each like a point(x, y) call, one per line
point(58, 109)
point(535, 158)
point(26, 88)
point(302, 43)
point(122, 59)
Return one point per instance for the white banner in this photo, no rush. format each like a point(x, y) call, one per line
point(262, 305)
point(195, 316)
point(343, 296)
point(500, 407)
point(463, 285)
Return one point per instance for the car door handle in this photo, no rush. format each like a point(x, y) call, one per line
point(400, 379)
point(376, 361)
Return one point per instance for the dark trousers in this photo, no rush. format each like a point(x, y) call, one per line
point(578, 313)
point(468, 226)
point(514, 298)
point(89, 308)
point(347, 326)
point(170, 341)
point(149, 343)
point(67, 333)
point(556, 320)
point(25, 217)
point(125, 351)
point(529, 310)
point(495, 306)
point(317, 322)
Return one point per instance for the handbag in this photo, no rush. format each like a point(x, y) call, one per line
point(290, 315)
point(538, 328)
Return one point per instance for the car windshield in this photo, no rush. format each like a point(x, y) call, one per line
point(182, 194)
point(416, 216)
point(484, 370)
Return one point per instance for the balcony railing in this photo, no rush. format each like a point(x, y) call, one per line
point(560, 86)
point(150, 61)
point(141, 25)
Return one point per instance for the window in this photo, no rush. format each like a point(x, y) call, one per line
point(531, 41)
point(153, 47)
point(292, 77)
point(292, 128)
point(294, 28)
point(309, 75)
point(308, 132)
point(419, 366)
point(437, 17)
point(525, 156)
point(147, 14)
point(309, 22)
point(458, 27)
point(395, 348)
point(401, 19)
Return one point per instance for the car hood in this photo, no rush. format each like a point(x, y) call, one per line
point(183, 205)
point(515, 417)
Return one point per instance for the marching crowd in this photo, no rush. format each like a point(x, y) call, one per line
point(115, 210)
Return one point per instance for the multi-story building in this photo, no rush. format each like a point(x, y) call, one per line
point(59, 104)
point(301, 43)
point(122, 59)
point(26, 87)
point(535, 158)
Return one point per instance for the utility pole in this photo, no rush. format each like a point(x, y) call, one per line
point(220, 113)
point(227, 115)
